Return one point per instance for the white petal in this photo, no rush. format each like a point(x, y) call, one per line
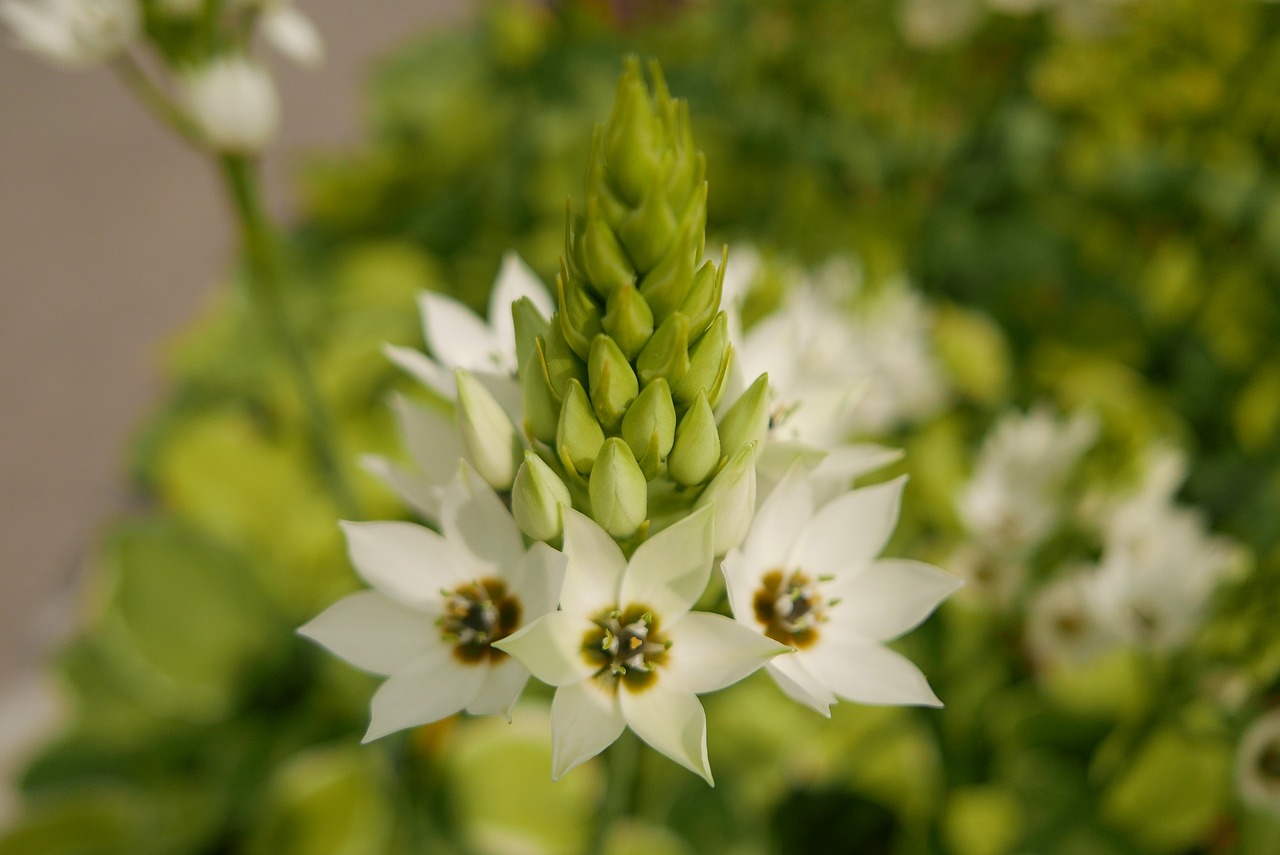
point(373, 632)
point(403, 560)
point(740, 582)
point(710, 651)
point(293, 34)
point(869, 674)
point(505, 389)
point(821, 417)
point(455, 336)
point(414, 489)
point(436, 377)
point(515, 280)
point(779, 522)
point(474, 518)
point(671, 721)
point(539, 580)
point(850, 530)
point(585, 720)
point(835, 472)
point(888, 599)
point(431, 437)
point(503, 684)
point(595, 568)
point(670, 570)
point(800, 685)
point(551, 648)
point(428, 690)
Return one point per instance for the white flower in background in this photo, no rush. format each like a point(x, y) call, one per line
point(457, 338)
point(625, 649)
point(73, 32)
point(808, 576)
point(234, 102)
point(438, 604)
point(1258, 763)
point(291, 33)
point(431, 436)
point(1061, 625)
point(1015, 497)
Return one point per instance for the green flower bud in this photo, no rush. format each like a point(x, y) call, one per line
point(631, 136)
point(696, 451)
point(578, 434)
point(649, 427)
point(709, 361)
point(579, 315)
point(619, 492)
point(748, 419)
point(529, 325)
point(541, 409)
point(667, 353)
point(488, 437)
point(733, 493)
point(667, 284)
point(612, 382)
point(537, 497)
point(563, 364)
point(648, 228)
point(600, 256)
point(628, 321)
point(703, 302)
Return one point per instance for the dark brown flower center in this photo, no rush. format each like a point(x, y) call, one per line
point(790, 607)
point(625, 646)
point(476, 615)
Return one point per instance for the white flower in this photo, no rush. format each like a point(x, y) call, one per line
point(625, 650)
point(431, 437)
point(1258, 763)
point(437, 605)
point(234, 102)
point(1015, 497)
point(459, 339)
point(292, 33)
point(73, 32)
point(808, 577)
point(1061, 624)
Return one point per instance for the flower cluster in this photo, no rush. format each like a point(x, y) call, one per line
point(609, 419)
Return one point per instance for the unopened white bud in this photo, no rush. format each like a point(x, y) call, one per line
point(488, 437)
point(234, 102)
point(292, 33)
point(733, 495)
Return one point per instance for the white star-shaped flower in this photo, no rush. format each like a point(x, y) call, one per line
point(457, 338)
point(808, 576)
point(438, 604)
point(625, 649)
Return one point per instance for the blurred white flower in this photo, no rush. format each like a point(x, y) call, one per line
point(1015, 497)
point(808, 577)
point(1061, 625)
point(438, 604)
point(73, 32)
point(1258, 763)
point(234, 102)
point(625, 649)
point(292, 33)
point(457, 338)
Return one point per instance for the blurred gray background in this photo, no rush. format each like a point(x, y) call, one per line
point(112, 234)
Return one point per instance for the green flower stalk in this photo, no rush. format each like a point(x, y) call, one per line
point(621, 384)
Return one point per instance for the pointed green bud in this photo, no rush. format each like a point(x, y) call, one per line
point(602, 259)
point(631, 135)
point(703, 302)
point(537, 498)
point(733, 493)
point(541, 409)
point(709, 361)
point(667, 353)
point(530, 325)
point(563, 364)
point(748, 419)
point(667, 284)
point(649, 427)
point(619, 492)
point(579, 315)
point(489, 439)
point(612, 382)
point(696, 451)
point(578, 434)
point(613, 209)
point(628, 320)
point(648, 229)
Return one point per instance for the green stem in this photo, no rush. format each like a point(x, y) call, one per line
point(266, 281)
point(623, 763)
point(131, 72)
